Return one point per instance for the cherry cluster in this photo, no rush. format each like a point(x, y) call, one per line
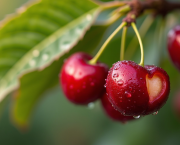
point(131, 90)
point(127, 90)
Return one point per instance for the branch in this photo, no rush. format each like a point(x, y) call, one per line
point(159, 7)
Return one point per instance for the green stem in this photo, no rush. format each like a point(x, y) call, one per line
point(123, 42)
point(143, 30)
point(140, 42)
point(94, 60)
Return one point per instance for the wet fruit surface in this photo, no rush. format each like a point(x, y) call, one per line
point(174, 45)
point(135, 90)
point(112, 113)
point(81, 82)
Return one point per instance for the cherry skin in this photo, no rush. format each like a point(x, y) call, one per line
point(112, 113)
point(134, 90)
point(81, 82)
point(174, 45)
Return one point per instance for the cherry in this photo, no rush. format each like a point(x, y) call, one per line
point(174, 45)
point(111, 112)
point(82, 82)
point(134, 90)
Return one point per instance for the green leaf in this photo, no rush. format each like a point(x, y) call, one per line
point(33, 84)
point(41, 34)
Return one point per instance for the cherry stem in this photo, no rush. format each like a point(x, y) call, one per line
point(123, 43)
point(143, 30)
point(94, 60)
point(140, 42)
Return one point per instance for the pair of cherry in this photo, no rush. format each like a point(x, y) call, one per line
point(131, 90)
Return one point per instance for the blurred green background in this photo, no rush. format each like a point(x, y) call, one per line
point(58, 122)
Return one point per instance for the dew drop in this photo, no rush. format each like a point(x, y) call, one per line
point(32, 63)
point(78, 91)
point(89, 17)
point(45, 57)
point(115, 75)
point(35, 53)
point(78, 31)
point(155, 113)
point(65, 45)
point(137, 117)
point(128, 94)
point(120, 82)
point(84, 87)
point(91, 105)
point(120, 101)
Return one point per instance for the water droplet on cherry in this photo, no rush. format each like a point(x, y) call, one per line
point(137, 117)
point(115, 75)
point(128, 94)
point(120, 82)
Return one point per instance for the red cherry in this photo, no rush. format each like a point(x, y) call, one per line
point(174, 45)
point(176, 104)
point(81, 82)
point(135, 90)
point(112, 113)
